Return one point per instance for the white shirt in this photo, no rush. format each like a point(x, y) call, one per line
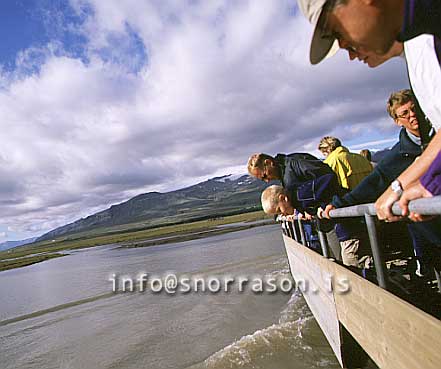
point(425, 76)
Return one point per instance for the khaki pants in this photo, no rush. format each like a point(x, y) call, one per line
point(334, 245)
point(354, 253)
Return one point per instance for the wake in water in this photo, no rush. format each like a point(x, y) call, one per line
point(295, 341)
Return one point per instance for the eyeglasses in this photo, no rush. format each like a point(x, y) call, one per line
point(406, 113)
point(351, 49)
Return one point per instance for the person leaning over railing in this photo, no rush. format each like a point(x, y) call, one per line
point(349, 167)
point(400, 107)
point(371, 28)
point(292, 171)
point(307, 198)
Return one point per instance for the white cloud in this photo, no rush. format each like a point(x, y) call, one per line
point(169, 93)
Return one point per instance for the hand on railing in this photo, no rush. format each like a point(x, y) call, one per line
point(325, 213)
point(305, 216)
point(425, 206)
point(384, 204)
point(414, 191)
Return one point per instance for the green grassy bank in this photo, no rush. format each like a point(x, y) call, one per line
point(24, 255)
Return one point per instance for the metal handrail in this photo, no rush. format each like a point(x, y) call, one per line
point(427, 206)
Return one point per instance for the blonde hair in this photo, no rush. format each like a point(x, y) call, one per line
point(328, 144)
point(256, 161)
point(270, 198)
point(367, 154)
point(396, 99)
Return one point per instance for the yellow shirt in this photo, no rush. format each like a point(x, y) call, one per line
point(350, 168)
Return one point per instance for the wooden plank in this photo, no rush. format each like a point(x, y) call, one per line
point(306, 266)
point(393, 332)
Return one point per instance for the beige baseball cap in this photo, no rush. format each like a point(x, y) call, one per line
point(321, 47)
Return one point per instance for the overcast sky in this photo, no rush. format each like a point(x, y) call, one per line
point(101, 100)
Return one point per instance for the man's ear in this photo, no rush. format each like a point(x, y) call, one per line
point(269, 163)
point(282, 197)
point(397, 122)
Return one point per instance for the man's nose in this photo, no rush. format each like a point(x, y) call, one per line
point(343, 44)
point(351, 51)
point(352, 54)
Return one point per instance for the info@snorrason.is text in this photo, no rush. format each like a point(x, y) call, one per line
point(172, 283)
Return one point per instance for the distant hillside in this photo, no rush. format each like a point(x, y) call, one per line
point(11, 244)
point(215, 197)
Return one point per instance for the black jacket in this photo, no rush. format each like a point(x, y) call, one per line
point(297, 168)
point(310, 182)
point(390, 167)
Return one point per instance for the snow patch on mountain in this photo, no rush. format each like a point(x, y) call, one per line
point(230, 177)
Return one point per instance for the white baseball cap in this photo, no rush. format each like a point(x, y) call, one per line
point(321, 47)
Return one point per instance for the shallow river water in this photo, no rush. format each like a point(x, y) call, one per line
point(63, 314)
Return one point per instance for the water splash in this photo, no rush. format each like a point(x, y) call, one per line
point(281, 345)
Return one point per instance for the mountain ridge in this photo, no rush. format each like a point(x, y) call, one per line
point(214, 197)
point(11, 244)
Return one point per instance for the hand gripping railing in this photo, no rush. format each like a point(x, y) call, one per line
point(426, 206)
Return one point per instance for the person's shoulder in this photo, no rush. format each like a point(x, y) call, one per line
point(421, 40)
point(359, 158)
point(415, 46)
point(392, 158)
point(333, 156)
point(340, 151)
point(406, 146)
point(301, 156)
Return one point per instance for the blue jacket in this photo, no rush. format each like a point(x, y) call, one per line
point(390, 167)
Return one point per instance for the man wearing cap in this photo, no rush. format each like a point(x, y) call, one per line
point(372, 27)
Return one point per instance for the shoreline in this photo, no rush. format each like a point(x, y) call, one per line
point(14, 262)
point(192, 235)
point(8, 264)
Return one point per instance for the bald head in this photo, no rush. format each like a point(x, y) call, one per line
point(276, 201)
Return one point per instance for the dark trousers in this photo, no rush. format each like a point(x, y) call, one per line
point(426, 239)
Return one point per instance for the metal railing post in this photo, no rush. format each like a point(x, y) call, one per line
point(288, 229)
point(302, 232)
point(438, 280)
point(323, 244)
point(284, 230)
point(296, 236)
point(380, 265)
